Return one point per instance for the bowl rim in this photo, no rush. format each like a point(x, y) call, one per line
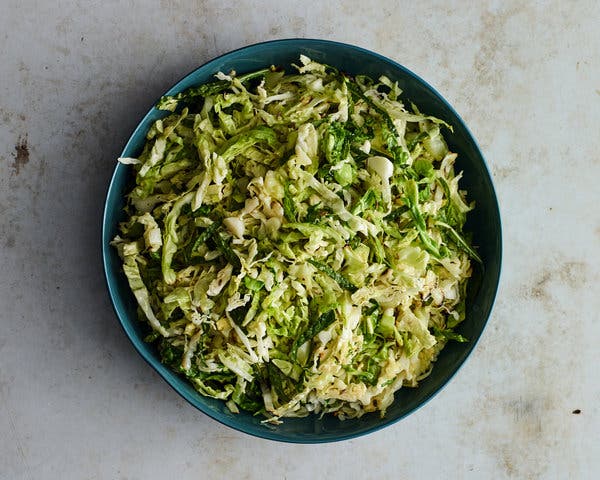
point(155, 363)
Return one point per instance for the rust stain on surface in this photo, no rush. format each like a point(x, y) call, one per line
point(539, 290)
point(504, 172)
point(495, 50)
point(572, 274)
point(21, 155)
point(10, 242)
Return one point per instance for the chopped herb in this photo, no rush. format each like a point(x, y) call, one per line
point(338, 277)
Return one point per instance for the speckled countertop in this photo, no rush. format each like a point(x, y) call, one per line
point(77, 402)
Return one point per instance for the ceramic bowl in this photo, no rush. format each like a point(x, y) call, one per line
point(484, 222)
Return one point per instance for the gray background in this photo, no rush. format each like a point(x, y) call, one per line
point(77, 402)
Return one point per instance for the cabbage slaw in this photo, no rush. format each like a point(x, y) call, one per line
point(295, 241)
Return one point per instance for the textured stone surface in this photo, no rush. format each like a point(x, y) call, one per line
point(76, 401)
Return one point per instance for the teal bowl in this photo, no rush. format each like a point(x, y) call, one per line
point(484, 222)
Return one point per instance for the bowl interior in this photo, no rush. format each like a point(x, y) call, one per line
point(484, 223)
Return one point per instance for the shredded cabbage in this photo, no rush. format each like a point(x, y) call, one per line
point(295, 241)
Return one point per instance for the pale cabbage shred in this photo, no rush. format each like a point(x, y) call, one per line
point(296, 242)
